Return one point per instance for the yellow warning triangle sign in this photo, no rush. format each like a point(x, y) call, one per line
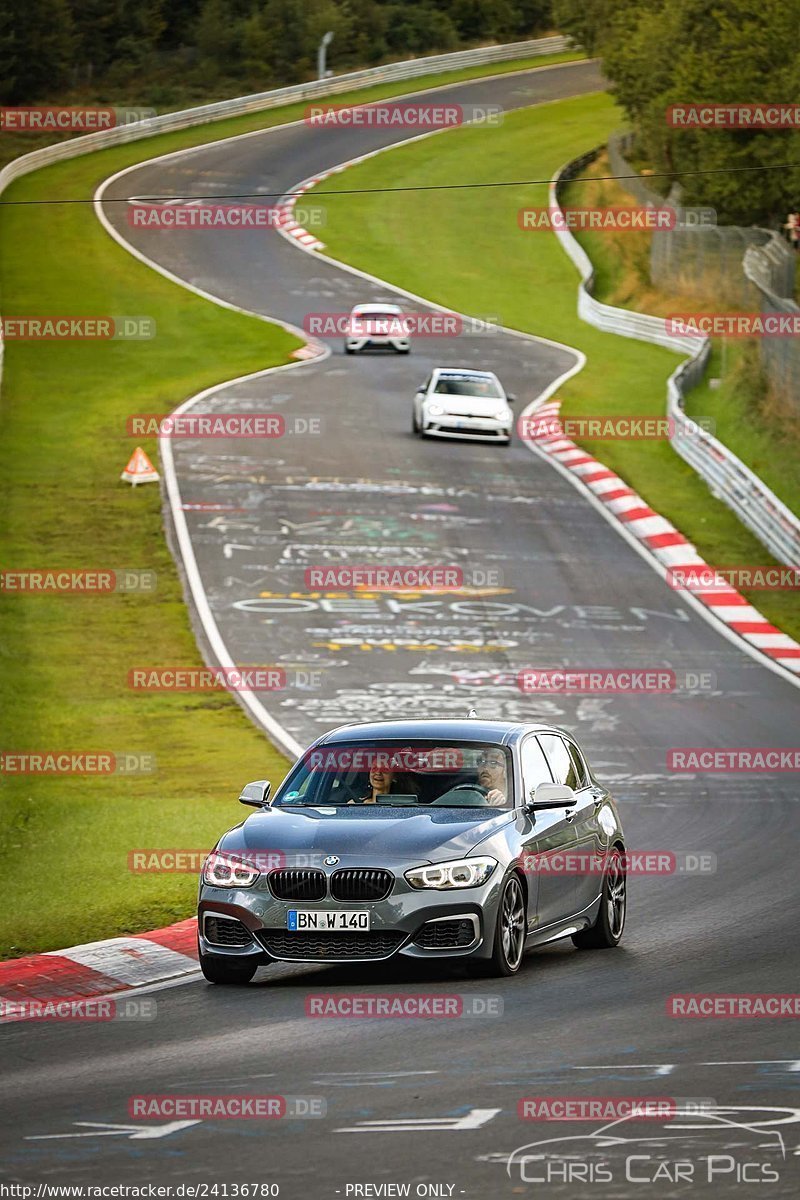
point(139, 469)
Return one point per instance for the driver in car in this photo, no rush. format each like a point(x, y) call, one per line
point(492, 776)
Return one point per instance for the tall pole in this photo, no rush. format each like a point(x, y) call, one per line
point(322, 50)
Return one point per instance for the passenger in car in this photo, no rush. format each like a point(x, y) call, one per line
point(383, 781)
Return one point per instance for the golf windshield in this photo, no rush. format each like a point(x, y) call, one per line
point(416, 774)
point(465, 385)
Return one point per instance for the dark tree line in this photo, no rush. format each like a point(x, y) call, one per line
point(160, 51)
point(665, 52)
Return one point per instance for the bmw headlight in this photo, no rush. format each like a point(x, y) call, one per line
point(435, 409)
point(225, 870)
point(463, 873)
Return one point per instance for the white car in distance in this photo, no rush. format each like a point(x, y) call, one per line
point(461, 403)
point(381, 326)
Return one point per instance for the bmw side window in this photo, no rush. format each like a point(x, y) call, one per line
point(534, 768)
point(579, 763)
point(559, 759)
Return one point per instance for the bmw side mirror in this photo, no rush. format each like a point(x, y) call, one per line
point(552, 795)
point(256, 794)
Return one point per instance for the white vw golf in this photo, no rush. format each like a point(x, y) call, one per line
point(379, 325)
point(461, 403)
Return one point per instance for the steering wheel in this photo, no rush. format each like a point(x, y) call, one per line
point(351, 792)
point(470, 787)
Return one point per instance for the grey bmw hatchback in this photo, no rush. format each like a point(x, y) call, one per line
point(426, 839)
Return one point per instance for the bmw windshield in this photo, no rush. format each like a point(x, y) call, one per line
point(416, 774)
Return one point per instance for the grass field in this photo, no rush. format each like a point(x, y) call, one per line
point(65, 841)
point(64, 683)
point(479, 261)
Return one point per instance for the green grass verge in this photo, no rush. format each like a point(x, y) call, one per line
point(746, 418)
point(65, 659)
point(480, 262)
point(65, 841)
point(748, 421)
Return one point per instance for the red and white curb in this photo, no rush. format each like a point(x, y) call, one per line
point(286, 222)
point(100, 968)
point(665, 543)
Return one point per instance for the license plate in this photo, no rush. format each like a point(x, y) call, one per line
point(299, 920)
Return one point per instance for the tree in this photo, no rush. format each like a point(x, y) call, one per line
point(39, 39)
point(665, 52)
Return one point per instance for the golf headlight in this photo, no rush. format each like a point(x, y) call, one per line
point(502, 414)
point(463, 873)
point(225, 870)
point(435, 409)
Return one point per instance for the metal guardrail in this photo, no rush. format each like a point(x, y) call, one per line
point(317, 89)
point(729, 479)
point(205, 114)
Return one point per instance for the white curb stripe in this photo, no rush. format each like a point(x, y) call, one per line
point(130, 960)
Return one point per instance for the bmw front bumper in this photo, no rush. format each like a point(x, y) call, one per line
point(413, 923)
